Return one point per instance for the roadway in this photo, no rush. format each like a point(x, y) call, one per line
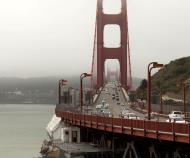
point(113, 96)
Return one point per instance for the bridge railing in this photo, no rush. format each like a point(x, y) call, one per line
point(140, 124)
point(153, 129)
point(181, 128)
point(150, 125)
point(165, 127)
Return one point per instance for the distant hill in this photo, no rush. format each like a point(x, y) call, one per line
point(171, 77)
point(37, 90)
point(42, 90)
point(43, 84)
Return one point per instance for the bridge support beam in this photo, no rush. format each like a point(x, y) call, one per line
point(131, 151)
point(153, 152)
point(176, 154)
point(167, 155)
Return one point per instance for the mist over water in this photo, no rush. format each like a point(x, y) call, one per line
point(23, 129)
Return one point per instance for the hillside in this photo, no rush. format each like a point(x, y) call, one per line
point(171, 77)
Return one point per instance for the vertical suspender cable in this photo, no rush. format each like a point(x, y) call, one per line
point(94, 48)
point(129, 56)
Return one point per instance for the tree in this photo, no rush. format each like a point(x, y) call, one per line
point(143, 84)
point(141, 90)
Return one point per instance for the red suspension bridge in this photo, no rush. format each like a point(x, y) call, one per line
point(128, 137)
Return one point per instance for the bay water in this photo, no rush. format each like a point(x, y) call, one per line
point(22, 129)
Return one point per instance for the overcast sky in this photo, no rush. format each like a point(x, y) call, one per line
point(55, 37)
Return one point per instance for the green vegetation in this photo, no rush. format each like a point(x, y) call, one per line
point(142, 90)
point(172, 76)
point(170, 80)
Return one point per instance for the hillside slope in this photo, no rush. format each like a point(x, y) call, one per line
point(171, 77)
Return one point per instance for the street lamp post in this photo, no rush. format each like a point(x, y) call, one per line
point(61, 83)
point(185, 85)
point(161, 103)
point(154, 65)
point(184, 97)
point(69, 97)
point(83, 75)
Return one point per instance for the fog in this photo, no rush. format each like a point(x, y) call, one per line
point(55, 37)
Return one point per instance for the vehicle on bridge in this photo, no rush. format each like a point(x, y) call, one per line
point(122, 104)
point(106, 106)
point(176, 115)
point(124, 112)
point(106, 112)
point(99, 106)
point(132, 116)
point(178, 120)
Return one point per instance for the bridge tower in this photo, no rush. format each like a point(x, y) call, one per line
point(102, 53)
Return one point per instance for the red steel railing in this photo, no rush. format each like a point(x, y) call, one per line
point(144, 128)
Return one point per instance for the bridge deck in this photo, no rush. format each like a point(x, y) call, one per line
point(93, 118)
point(143, 128)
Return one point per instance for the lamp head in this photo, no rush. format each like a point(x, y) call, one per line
point(62, 82)
point(157, 65)
point(88, 75)
point(154, 63)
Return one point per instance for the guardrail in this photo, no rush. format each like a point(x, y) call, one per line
point(144, 128)
point(124, 94)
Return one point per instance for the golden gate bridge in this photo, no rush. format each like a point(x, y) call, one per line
point(114, 135)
